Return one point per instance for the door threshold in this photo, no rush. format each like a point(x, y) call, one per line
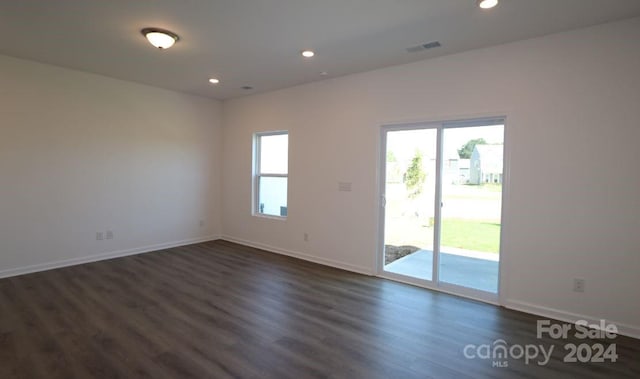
point(449, 289)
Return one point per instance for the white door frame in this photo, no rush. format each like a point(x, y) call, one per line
point(435, 284)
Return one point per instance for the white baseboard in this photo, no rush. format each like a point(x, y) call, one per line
point(623, 329)
point(99, 257)
point(305, 257)
point(557, 314)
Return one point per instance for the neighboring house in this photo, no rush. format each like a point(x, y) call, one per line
point(486, 164)
point(463, 171)
point(450, 169)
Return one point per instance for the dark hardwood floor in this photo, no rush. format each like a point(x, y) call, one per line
point(222, 310)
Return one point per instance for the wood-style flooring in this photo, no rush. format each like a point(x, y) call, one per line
point(222, 310)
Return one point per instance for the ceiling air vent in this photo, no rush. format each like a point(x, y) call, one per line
point(426, 46)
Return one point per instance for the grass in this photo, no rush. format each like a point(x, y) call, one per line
point(471, 235)
point(491, 187)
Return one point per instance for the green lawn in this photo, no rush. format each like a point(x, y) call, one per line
point(471, 235)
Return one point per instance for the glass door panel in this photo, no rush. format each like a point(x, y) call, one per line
point(410, 183)
point(472, 173)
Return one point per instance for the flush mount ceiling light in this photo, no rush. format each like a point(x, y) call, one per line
point(308, 53)
point(487, 4)
point(160, 38)
point(214, 81)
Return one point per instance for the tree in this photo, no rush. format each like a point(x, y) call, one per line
point(415, 176)
point(391, 157)
point(467, 149)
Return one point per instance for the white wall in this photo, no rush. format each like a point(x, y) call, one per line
point(573, 107)
point(81, 153)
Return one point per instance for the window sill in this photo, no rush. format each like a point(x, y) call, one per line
point(270, 217)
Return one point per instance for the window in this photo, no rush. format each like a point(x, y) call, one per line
point(270, 173)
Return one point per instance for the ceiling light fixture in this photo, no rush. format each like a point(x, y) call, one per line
point(308, 53)
point(214, 81)
point(160, 38)
point(487, 4)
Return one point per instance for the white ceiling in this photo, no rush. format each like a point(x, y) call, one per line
point(258, 42)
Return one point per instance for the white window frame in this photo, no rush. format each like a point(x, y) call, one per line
point(255, 211)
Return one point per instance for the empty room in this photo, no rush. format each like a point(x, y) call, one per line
point(320, 189)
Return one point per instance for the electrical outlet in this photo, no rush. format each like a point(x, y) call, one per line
point(306, 237)
point(578, 285)
point(99, 236)
point(109, 235)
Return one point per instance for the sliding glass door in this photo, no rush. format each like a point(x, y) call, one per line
point(441, 204)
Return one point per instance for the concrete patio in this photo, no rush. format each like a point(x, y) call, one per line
point(465, 268)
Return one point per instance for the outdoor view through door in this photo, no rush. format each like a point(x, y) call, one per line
point(443, 199)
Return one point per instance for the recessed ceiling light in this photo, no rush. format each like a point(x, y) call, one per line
point(308, 53)
point(323, 73)
point(247, 88)
point(487, 4)
point(214, 81)
point(160, 38)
